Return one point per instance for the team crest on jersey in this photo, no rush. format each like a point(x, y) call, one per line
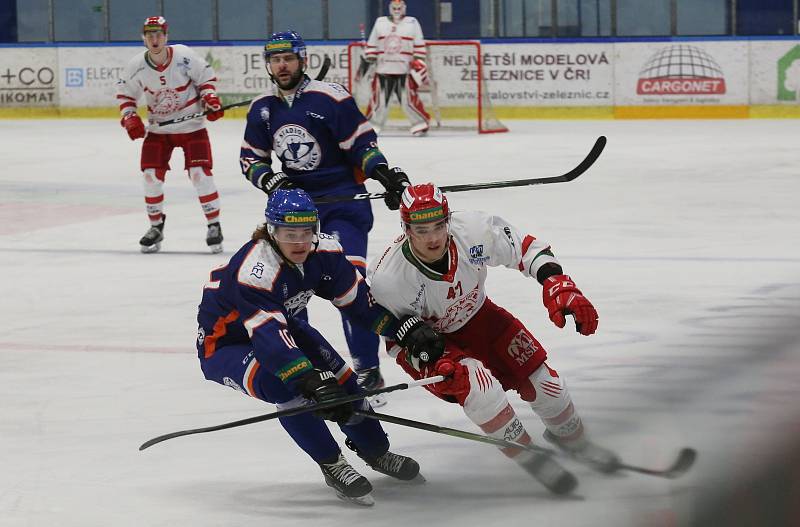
point(167, 101)
point(476, 255)
point(393, 43)
point(298, 302)
point(296, 147)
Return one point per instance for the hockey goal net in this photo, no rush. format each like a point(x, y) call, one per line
point(456, 95)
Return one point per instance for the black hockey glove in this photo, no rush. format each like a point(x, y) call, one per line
point(422, 342)
point(394, 180)
point(321, 387)
point(269, 183)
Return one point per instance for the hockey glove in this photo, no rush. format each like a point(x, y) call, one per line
point(321, 387)
point(269, 182)
point(394, 180)
point(423, 344)
point(561, 297)
point(133, 124)
point(212, 104)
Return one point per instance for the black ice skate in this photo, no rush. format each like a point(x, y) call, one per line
point(371, 379)
point(151, 241)
point(214, 237)
point(582, 450)
point(348, 484)
point(549, 473)
point(400, 467)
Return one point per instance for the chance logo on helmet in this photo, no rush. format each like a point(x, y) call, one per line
point(285, 41)
point(423, 204)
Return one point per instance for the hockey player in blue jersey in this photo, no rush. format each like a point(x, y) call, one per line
point(326, 147)
point(250, 339)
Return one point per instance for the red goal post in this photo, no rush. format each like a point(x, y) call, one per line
point(456, 96)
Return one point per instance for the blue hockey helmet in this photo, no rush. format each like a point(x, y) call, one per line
point(291, 208)
point(284, 41)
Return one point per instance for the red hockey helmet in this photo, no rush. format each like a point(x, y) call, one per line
point(423, 203)
point(155, 23)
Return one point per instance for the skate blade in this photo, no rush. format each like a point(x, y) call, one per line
point(150, 248)
point(215, 249)
point(376, 401)
point(365, 501)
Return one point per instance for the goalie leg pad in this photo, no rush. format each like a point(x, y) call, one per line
point(552, 403)
point(413, 107)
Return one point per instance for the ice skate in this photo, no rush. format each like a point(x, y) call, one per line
point(599, 458)
point(550, 473)
point(371, 379)
point(214, 237)
point(151, 241)
point(400, 467)
point(348, 484)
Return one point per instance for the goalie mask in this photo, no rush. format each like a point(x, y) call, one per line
point(397, 10)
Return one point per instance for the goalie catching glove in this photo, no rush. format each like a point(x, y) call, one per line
point(423, 344)
point(321, 387)
point(394, 180)
point(561, 297)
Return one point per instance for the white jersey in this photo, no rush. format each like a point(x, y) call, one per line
point(395, 45)
point(172, 90)
point(406, 286)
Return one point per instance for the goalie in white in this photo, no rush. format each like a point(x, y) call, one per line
point(397, 48)
point(436, 271)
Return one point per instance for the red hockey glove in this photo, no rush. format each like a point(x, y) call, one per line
point(133, 124)
point(456, 382)
point(561, 297)
point(211, 103)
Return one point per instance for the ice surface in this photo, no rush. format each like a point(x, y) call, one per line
point(684, 235)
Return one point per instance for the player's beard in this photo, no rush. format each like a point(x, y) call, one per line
point(293, 81)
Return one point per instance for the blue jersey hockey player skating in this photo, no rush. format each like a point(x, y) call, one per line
point(250, 339)
point(326, 147)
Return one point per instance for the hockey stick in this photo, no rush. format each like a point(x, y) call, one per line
point(323, 70)
point(582, 167)
point(294, 411)
point(683, 462)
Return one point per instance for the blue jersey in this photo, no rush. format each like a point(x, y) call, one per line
point(253, 297)
point(324, 142)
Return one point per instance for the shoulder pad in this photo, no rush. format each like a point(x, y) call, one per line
point(328, 244)
point(335, 91)
point(260, 267)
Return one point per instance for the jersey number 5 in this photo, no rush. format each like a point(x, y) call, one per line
point(451, 293)
point(163, 80)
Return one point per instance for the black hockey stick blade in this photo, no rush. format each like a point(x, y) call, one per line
point(684, 461)
point(293, 411)
point(323, 70)
point(582, 167)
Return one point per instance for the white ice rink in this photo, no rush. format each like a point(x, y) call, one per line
point(684, 235)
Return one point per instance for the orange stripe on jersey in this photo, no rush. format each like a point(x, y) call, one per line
point(250, 378)
point(343, 378)
point(220, 329)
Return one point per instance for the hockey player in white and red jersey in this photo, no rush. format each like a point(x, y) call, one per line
point(397, 47)
point(175, 82)
point(436, 272)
